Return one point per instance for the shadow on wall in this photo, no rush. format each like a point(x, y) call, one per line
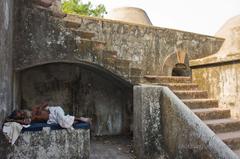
point(81, 92)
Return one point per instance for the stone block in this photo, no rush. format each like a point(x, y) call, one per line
point(46, 144)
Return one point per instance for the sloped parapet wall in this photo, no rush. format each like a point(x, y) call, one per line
point(164, 125)
point(48, 144)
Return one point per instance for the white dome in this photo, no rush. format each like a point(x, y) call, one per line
point(230, 31)
point(129, 14)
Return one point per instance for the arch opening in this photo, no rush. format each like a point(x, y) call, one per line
point(82, 90)
point(172, 67)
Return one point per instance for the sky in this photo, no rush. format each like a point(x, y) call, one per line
point(198, 16)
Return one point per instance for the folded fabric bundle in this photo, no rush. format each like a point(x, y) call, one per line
point(57, 116)
point(12, 130)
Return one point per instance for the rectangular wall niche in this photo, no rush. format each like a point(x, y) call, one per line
point(80, 92)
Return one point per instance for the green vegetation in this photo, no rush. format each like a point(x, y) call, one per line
point(78, 7)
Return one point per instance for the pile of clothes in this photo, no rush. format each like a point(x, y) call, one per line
point(12, 130)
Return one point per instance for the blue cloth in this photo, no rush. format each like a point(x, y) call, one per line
point(39, 126)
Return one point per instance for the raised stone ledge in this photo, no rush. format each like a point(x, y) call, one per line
point(215, 60)
point(46, 144)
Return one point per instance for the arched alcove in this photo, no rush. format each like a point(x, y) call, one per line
point(169, 64)
point(81, 89)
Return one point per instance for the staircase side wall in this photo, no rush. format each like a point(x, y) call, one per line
point(6, 48)
point(163, 122)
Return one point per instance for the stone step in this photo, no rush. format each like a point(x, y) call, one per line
point(109, 53)
point(85, 44)
point(223, 125)
point(232, 139)
point(167, 79)
point(117, 64)
point(136, 79)
point(122, 63)
point(98, 42)
point(181, 86)
point(83, 34)
point(71, 23)
point(122, 71)
point(201, 103)
point(194, 94)
point(212, 113)
point(135, 71)
point(109, 62)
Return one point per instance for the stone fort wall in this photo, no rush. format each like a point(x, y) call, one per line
point(6, 48)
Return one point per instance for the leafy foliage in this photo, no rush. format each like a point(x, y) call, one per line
point(78, 7)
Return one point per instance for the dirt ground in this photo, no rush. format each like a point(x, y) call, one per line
point(112, 147)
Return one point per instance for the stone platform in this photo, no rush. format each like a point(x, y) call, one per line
point(46, 144)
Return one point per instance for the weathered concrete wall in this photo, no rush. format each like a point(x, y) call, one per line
point(149, 47)
point(180, 132)
point(222, 80)
point(47, 37)
point(46, 144)
point(81, 92)
point(6, 47)
point(147, 135)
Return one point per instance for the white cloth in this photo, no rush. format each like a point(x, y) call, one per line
point(12, 130)
point(58, 116)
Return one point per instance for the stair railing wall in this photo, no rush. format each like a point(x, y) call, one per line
point(177, 130)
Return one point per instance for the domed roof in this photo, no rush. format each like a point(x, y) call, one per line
point(230, 49)
point(129, 14)
point(230, 31)
point(231, 23)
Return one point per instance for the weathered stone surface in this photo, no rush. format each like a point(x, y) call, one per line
point(6, 48)
point(223, 125)
point(189, 94)
point(221, 81)
point(147, 132)
point(185, 135)
point(212, 113)
point(166, 79)
point(81, 92)
point(182, 133)
point(56, 40)
point(44, 3)
point(46, 144)
point(201, 103)
point(112, 147)
point(219, 73)
point(48, 38)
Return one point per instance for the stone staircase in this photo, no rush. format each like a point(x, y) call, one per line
point(109, 58)
point(218, 119)
point(88, 47)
